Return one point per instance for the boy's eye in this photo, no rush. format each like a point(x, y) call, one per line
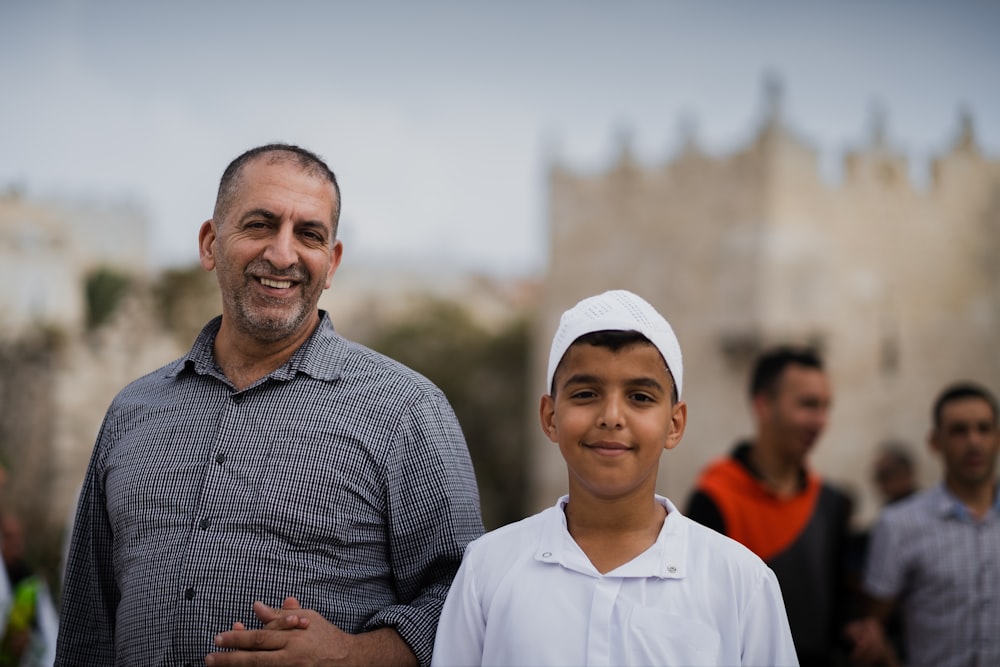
point(583, 393)
point(642, 398)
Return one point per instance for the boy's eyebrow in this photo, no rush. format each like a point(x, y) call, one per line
point(583, 378)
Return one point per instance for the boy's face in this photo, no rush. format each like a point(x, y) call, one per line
point(612, 417)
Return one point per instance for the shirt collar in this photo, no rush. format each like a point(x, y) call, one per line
point(947, 504)
point(665, 559)
point(321, 356)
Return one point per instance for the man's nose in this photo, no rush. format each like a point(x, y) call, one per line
point(281, 251)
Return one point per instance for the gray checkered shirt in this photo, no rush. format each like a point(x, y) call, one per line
point(341, 478)
point(944, 569)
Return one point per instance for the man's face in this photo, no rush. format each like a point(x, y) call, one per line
point(968, 441)
point(274, 252)
point(796, 414)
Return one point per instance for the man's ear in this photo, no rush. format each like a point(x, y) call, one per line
point(336, 254)
point(678, 422)
point(934, 440)
point(546, 415)
point(761, 405)
point(206, 244)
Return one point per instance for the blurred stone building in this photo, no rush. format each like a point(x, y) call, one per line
point(897, 284)
point(59, 373)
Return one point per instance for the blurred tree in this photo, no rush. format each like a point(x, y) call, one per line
point(483, 374)
point(186, 298)
point(105, 288)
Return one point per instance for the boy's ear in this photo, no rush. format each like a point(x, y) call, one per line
point(678, 421)
point(546, 415)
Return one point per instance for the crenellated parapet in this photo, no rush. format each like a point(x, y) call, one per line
point(895, 280)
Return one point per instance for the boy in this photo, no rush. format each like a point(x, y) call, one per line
point(613, 574)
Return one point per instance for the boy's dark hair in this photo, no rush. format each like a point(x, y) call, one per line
point(771, 364)
point(613, 340)
point(959, 391)
point(307, 160)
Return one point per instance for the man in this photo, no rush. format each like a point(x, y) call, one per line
point(894, 473)
point(937, 553)
point(895, 479)
point(764, 495)
point(277, 470)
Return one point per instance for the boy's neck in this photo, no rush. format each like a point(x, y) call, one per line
point(611, 533)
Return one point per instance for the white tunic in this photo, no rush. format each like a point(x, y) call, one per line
point(526, 594)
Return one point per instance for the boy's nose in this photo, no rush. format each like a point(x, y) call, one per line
point(612, 414)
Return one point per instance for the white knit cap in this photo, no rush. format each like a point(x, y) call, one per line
point(616, 310)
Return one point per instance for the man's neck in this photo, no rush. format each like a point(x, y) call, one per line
point(977, 498)
point(781, 474)
point(245, 360)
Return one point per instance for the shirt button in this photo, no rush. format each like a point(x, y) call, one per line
point(189, 594)
point(220, 458)
point(204, 523)
point(238, 398)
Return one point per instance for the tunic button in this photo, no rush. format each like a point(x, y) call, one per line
point(238, 398)
point(204, 523)
point(220, 458)
point(189, 594)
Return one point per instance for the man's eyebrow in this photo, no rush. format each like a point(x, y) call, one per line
point(260, 213)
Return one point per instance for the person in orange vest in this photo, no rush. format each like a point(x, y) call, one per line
point(764, 495)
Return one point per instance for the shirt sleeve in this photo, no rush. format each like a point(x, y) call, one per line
point(433, 514)
point(89, 593)
point(462, 630)
point(766, 635)
point(883, 577)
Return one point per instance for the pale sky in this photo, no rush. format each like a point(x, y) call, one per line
point(440, 117)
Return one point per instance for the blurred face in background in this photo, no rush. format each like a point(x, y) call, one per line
point(794, 415)
point(968, 442)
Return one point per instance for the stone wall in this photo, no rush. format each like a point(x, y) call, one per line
point(894, 282)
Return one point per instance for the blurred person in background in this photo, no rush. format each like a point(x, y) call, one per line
point(936, 554)
point(31, 623)
point(894, 473)
point(894, 478)
point(764, 495)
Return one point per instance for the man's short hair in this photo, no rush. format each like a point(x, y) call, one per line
point(959, 391)
point(772, 363)
point(274, 153)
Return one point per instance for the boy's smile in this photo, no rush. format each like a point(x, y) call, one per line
point(612, 417)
